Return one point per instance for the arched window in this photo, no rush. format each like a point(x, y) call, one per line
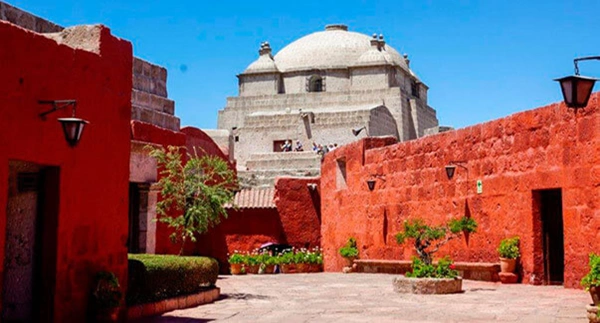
point(315, 84)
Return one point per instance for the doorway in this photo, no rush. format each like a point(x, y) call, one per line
point(550, 209)
point(30, 245)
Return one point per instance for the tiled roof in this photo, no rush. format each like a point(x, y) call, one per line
point(254, 198)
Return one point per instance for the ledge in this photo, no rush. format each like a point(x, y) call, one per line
point(170, 304)
point(483, 271)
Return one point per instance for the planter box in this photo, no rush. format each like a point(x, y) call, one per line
point(404, 284)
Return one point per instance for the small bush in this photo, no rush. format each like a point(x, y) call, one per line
point(509, 248)
point(444, 269)
point(349, 250)
point(592, 278)
point(157, 277)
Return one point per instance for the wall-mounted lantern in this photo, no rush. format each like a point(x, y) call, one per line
point(312, 187)
point(356, 131)
point(577, 89)
point(371, 184)
point(451, 167)
point(72, 127)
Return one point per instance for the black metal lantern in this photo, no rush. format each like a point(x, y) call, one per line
point(577, 89)
point(72, 127)
point(371, 184)
point(450, 171)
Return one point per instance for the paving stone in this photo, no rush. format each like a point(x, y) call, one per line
point(335, 297)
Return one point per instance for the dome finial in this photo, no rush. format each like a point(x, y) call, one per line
point(336, 27)
point(265, 49)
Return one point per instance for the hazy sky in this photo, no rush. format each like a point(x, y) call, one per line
point(482, 60)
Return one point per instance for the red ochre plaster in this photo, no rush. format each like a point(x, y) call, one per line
point(546, 148)
point(93, 196)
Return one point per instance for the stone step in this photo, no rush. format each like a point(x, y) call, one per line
point(152, 102)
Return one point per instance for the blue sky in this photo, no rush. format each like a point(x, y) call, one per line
point(482, 60)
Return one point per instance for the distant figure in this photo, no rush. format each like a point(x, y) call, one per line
point(287, 146)
point(298, 146)
point(331, 148)
point(315, 147)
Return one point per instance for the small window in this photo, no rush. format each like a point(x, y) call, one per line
point(341, 174)
point(414, 87)
point(237, 138)
point(315, 84)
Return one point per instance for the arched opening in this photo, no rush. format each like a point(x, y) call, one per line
point(315, 84)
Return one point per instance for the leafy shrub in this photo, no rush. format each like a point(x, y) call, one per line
point(107, 293)
point(444, 269)
point(349, 250)
point(236, 258)
point(428, 239)
point(592, 279)
point(157, 277)
point(509, 248)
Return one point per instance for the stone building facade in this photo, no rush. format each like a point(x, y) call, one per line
point(319, 88)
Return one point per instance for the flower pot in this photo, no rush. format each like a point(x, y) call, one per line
point(269, 269)
point(508, 265)
point(252, 269)
point(302, 268)
point(108, 315)
point(236, 269)
point(313, 268)
point(288, 268)
point(595, 293)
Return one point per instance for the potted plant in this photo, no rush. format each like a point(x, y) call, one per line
point(286, 262)
point(301, 261)
point(251, 263)
point(591, 281)
point(107, 297)
point(509, 252)
point(267, 263)
point(427, 240)
point(236, 263)
point(349, 251)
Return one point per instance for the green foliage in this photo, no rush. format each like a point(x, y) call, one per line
point(193, 193)
point(107, 293)
point(592, 278)
point(509, 248)
point(444, 269)
point(349, 250)
point(156, 277)
point(463, 224)
point(236, 258)
point(428, 239)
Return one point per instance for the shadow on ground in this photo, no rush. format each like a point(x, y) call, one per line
point(243, 296)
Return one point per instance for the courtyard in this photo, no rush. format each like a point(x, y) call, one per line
point(336, 297)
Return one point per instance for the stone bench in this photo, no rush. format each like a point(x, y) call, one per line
point(484, 271)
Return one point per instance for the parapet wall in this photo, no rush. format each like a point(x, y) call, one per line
point(517, 159)
point(27, 20)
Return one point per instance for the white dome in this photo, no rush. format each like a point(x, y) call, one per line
point(336, 47)
point(264, 64)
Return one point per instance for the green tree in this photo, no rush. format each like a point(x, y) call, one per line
point(194, 193)
point(429, 239)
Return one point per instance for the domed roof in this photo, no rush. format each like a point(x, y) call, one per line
point(264, 63)
point(336, 47)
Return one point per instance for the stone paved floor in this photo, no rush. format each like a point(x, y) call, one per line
point(332, 297)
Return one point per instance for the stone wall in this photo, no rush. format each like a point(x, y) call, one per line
point(366, 78)
point(27, 20)
point(258, 84)
point(514, 157)
point(91, 229)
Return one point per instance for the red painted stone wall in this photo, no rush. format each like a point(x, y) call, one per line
point(243, 230)
point(92, 221)
point(295, 221)
point(545, 148)
point(299, 205)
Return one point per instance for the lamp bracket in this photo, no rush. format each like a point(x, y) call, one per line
point(57, 105)
point(588, 58)
point(459, 163)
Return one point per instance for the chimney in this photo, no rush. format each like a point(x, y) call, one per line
point(375, 42)
point(407, 60)
point(381, 42)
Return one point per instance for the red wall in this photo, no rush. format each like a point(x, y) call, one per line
point(295, 221)
point(546, 148)
point(299, 209)
point(243, 230)
point(92, 219)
